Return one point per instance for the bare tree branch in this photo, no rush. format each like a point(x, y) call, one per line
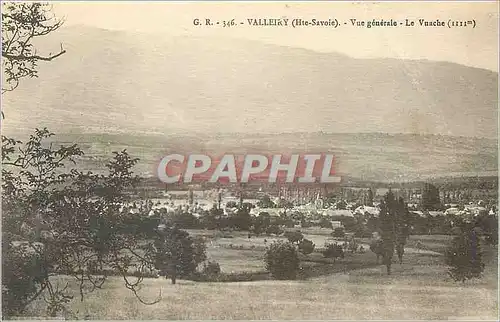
point(36, 57)
point(21, 23)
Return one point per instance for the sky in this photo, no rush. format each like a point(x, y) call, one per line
point(472, 47)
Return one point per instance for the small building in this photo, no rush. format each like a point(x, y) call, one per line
point(363, 210)
point(336, 224)
point(338, 213)
point(273, 212)
point(436, 213)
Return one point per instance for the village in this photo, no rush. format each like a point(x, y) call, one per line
point(331, 206)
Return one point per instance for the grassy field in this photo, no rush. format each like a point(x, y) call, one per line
point(352, 288)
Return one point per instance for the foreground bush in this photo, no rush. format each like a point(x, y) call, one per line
point(282, 260)
point(59, 219)
point(339, 232)
point(464, 256)
point(333, 251)
point(274, 230)
point(294, 237)
point(306, 246)
point(177, 254)
point(211, 268)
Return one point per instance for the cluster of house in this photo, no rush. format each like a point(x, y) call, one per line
point(314, 210)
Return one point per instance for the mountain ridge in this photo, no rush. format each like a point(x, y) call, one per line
point(383, 119)
point(119, 81)
point(383, 158)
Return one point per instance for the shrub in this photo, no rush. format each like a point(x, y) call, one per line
point(353, 245)
point(274, 230)
point(22, 269)
point(211, 268)
point(362, 232)
point(464, 257)
point(231, 204)
point(338, 232)
point(241, 220)
point(184, 220)
point(306, 246)
point(294, 237)
point(306, 224)
point(325, 223)
point(333, 251)
point(178, 253)
point(282, 260)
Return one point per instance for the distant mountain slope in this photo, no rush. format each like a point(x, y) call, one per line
point(375, 157)
point(118, 82)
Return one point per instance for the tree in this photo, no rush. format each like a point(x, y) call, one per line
point(388, 228)
point(274, 230)
point(351, 223)
point(333, 251)
point(430, 197)
point(266, 202)
point(306, 246)
point(282, 260)
point(341, 205)
point(369, 201)
point(212, 220)
point(373, 223)
point(282, 203)
point(211, 268)
point(73, 223)
point(177, 254)
point(22, 23)
point(395, 223)
point(241, 220)
point(464, 255)
point(402, 227)
point(489, 225)
point(294, 237)
point(304, 223)
point(231, 204)
point(247, 205)
point(353, 245)
point(325, 223)
point(24, 274)
point(183, 220)
point(261, 223)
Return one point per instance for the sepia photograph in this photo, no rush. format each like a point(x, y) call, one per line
point(249, 160)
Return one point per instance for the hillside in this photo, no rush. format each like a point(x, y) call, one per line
point(119, 82)
point(114, 90)
point(374, 157)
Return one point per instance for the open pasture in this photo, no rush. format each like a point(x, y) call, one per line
point(351, 288)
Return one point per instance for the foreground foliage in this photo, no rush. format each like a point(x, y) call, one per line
point(177, 254)
point(22, 24)
point(282, 260)
point(464, 255)
point(58, 220)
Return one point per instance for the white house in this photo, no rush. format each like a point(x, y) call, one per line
point(451, 211)
point(273, 212)
point(338, 213)
point(436, 213)
point(366, 209)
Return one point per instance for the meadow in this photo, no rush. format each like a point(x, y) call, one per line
point(351, 288)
